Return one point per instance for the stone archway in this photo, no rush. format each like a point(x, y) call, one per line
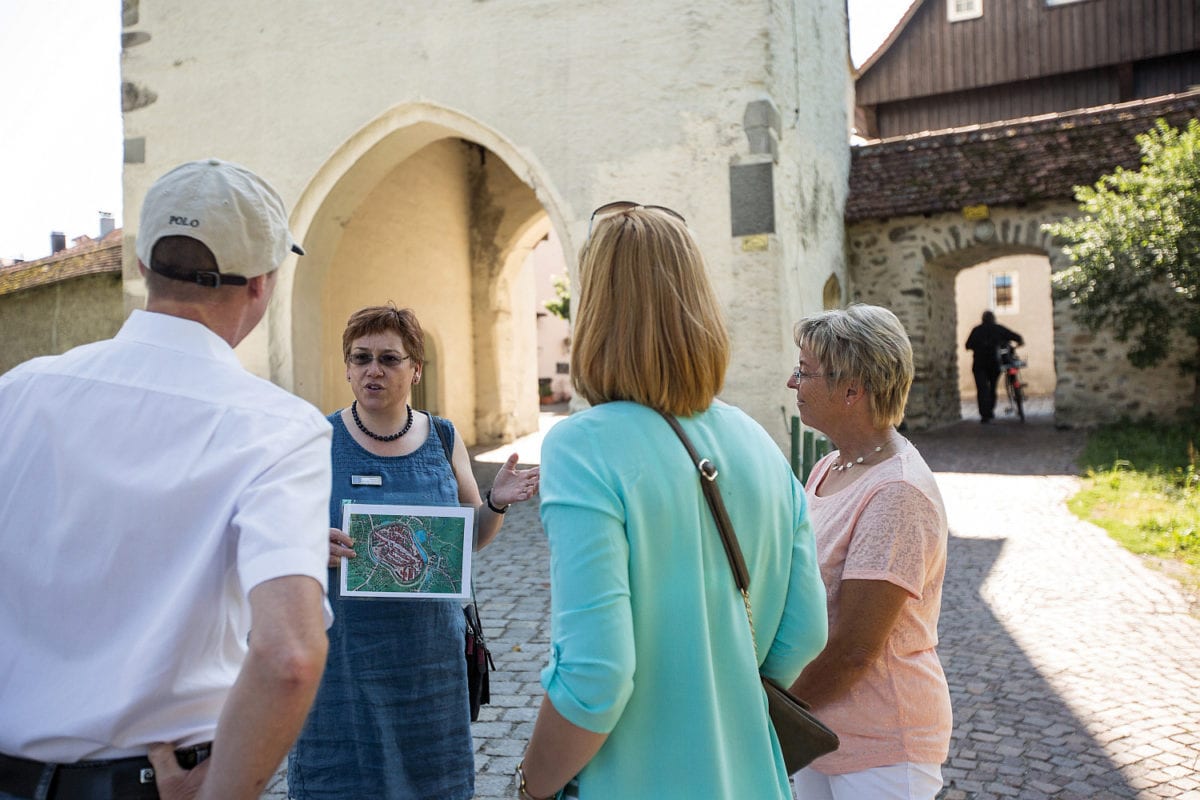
point(909, 264)
point(430, 210)
point(505, 309)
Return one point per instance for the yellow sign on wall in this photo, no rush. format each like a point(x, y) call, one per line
point(756, 243)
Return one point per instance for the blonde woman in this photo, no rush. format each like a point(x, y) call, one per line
point(652, 690)
point(881, 539)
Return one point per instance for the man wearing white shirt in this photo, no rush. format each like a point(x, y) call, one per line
point(162, 512)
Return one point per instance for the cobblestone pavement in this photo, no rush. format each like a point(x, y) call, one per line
point(1074, 669)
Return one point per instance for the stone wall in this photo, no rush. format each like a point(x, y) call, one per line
point(1096, 382)
point(909, 264)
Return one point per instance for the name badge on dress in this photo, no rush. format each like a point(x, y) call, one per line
point(366, 480)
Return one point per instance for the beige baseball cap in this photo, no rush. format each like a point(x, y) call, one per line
point(228, 208)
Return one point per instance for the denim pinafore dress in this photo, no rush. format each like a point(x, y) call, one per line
point(391, 719)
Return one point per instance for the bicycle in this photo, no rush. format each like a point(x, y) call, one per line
point(1011, 365)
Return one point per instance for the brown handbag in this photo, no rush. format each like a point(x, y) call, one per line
point(802, 737)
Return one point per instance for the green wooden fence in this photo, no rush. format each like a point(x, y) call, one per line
point(807, 448)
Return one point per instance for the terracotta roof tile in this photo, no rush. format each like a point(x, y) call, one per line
point(1004, 163)
point(94, 257)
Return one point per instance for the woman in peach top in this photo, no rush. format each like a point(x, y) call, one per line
point(881, 542)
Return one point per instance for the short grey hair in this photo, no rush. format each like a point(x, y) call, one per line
point(867, 345)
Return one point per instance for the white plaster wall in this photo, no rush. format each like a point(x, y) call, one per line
point(767, 291)
point(553, 334)
point(522, 364)
point(586, 102)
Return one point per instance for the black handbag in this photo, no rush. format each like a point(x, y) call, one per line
point(802, 737)
point(479, 662)
point(479, 658)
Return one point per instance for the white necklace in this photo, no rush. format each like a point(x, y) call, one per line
point(838, 467)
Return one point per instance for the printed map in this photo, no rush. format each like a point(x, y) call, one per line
point(403, 554)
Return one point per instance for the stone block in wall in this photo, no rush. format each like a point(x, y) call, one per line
point(762, 125)
point(752, 198)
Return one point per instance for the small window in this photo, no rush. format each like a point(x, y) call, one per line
point(958, 10)
point(1004, 292)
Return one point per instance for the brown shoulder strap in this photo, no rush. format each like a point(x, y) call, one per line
point(712, 493)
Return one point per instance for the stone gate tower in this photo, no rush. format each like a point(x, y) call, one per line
point(424, 149)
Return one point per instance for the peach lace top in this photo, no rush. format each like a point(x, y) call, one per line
point(889, 525)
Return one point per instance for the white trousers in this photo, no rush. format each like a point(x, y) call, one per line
point(907, 781)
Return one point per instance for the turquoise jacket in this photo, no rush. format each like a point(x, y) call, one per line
point(649, 637)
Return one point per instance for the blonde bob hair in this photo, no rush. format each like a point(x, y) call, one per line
point(648, 327)
point(866, 345)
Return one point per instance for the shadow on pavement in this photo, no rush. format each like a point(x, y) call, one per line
point(1004, 447)
point(1013, 734)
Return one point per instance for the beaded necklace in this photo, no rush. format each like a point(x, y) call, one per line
point(376, 436)
point(839, 466)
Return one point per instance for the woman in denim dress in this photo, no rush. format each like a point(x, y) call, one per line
point(391, 719)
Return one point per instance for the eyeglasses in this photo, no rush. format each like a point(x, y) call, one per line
point(386, 360)
point(627, 205)
point(799, 375)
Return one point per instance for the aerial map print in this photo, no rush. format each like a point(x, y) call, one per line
point(408, 551)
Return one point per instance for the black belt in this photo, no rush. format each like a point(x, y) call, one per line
point(119, 779)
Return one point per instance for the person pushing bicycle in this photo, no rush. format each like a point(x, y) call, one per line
point(985, 341)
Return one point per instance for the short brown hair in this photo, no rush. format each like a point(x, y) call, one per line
point(386, 319)
point(867, 345)
point(648, 328)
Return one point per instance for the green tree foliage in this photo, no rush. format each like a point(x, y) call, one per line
point(561, 305)
point(1136, 248)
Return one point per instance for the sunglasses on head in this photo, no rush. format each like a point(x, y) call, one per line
point(618, 206)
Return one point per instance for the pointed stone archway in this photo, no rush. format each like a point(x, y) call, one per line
point(430, 210)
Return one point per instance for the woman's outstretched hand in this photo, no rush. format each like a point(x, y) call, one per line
point(514, 485)
point(340, 546)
